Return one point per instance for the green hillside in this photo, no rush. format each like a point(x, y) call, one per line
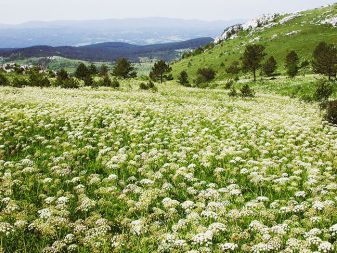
point(302, 32)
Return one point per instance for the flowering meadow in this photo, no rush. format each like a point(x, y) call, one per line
point(181, 170)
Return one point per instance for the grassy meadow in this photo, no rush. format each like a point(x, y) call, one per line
point(180, 170)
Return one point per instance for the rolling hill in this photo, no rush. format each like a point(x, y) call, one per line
point(280, 33)
point(109, 51)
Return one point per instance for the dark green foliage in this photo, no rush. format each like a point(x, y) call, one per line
point(291, 64)
point(124, 69)
point(38, 79)
point(325, 59)
point(89, 81)
point(229, 84)
point(252, 57)
point(93, 69)
point(51, 74)
point(148, 86)
point(115, 84)
point(246, 91)
point(70, 83)
point(106, 81)
point(233, 92)
point(159, 70)
point(104, 70)
point(183, 78)
point(82, 71)
point(270, 66)
point(234, 69)
point(204, 75)
point(3, 80)
point(62, 75)
point(331, 112)
point(20, 82)
point(324, 90)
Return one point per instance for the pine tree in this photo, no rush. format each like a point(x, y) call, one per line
point(82, 71)
point(183, 78)
point(291, 63)
point(159, 69)
point(325, 59)
point(93, 69)
point(252, 57)
point(124, 69)
point(104, 70)
point(270, 66)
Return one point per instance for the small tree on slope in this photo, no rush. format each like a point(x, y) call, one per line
point(325, 60)
point(252, 57)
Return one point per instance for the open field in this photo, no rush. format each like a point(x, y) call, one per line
point(181, 170)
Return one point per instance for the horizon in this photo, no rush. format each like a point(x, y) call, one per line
point(38, 10)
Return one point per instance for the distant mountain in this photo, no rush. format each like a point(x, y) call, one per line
point(141, 31)
point(108, 51)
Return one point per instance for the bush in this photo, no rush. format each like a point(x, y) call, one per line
point(20, 82)
point(331, 112)
point(229, 84)
point(39, 80)
point(148, 86)
point(70, 83)
point(183, 78)
point(3, 80)
point(115, 84)
point(233, 92)
point(323, 91)
point(246, 91)
point(204, 75)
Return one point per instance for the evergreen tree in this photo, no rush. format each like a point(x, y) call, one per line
point(270, 66)
point(82, 71)
point(291, 63)
point(124, 69)
point(159, 70)
point(89, 81)
point(62, 74)
point(325, 60)
point(252, 57)
point(183, 78)
point(104, 70)
point(93, 69)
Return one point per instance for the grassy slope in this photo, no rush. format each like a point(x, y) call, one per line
point(311, 33)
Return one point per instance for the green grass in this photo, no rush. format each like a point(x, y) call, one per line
point(303, 42)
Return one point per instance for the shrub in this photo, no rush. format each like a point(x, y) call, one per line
point(3, 80)
point(229, 84)
point(246, 91)
point(183, 78)
point(89, 81)
point(323, 91)
point(204, 75)
point(20, 82)
point(39, 80)
point(233, 92)
point(270, 66)
point(70, 83)
point(115, 84)
point(291, 64)
point(148, 86)
point(331, 112)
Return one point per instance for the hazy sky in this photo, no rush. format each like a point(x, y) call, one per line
point(17, 11)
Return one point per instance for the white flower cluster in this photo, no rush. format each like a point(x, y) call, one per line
point(114, 171)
